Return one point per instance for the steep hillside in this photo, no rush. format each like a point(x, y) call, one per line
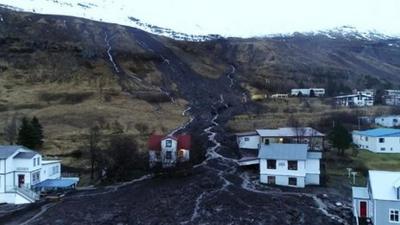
point(278, 64)
point(73, 73)
point(58, 69)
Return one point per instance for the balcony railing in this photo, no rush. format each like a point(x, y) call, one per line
point(23, 190)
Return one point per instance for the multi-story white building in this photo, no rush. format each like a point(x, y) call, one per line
point(288, 156)
point(289, 165)
point(379, 202)
point(379, 140)
point(355, 100)
point(20, 170)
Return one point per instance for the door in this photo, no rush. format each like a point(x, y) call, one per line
point(363, 209)
point(21, 180)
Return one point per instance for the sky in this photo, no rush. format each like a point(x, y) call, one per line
point(240, 18)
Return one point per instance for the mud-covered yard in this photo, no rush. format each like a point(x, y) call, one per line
point(217, 192)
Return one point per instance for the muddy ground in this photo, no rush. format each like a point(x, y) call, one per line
point(217, 192)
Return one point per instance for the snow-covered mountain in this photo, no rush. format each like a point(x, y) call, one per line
point(191, 20)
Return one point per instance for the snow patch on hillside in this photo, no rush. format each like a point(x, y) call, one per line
point(195, 21)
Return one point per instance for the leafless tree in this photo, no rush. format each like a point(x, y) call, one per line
point(94, 138)
point(11, 131)
point(298, 129)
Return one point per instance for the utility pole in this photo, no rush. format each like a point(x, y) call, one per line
point(354, 177)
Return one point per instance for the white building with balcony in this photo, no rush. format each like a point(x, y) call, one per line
point(20, 170)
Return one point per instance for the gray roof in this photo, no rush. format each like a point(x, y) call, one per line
point(251, 133)
point(284, 151)
point(25, 155)
point(360, 192)
point(314, 155)
point(290, 132)
point(8, 150)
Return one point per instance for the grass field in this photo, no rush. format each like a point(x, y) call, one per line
point(361, 163)
point(308, 111)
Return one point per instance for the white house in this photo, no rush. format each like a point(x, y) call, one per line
point(379, 201)
point(379, 140)
point(289, 165)
point(248, 140)
point(318, 92)
point(388, 121)
point(356, 100)
point(169, 150)
point(20, 170)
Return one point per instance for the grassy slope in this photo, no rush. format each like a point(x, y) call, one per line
point(67, 82)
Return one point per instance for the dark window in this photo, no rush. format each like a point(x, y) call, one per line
point(394, 215)
point(383, 149)
point(246, 139)
point(292, 165)
point(168, 155)
point(168, 143)
point(271, 164)
point(293, 181)
point(266, 141)
point(381, 140)
point(271, 179)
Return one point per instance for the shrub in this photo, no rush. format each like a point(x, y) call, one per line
point(65, 98)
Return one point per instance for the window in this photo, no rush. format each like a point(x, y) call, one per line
point(168, 155)
point(293, 181)
point(246, 139)
point(394, 215)
point(266, 141)
point(34, 162)
point(381, 140)
point(271, 164)
point(38, 161)
point(168, 143)
point(271, 180)
point(292, 165)
point(366, 138)
point(383, 149)
point(35, 177)
point(54, 170)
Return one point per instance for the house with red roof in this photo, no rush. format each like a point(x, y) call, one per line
point(168, 151)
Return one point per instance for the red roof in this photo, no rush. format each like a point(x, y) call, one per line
point(184, 142)
point(155, 142)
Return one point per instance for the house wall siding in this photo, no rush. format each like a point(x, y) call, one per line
point(312, 179)
point(389, 121)
point(391, 144)
point(283, 180)
point(165, 149)
point(382, 211)
point(252, 143)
